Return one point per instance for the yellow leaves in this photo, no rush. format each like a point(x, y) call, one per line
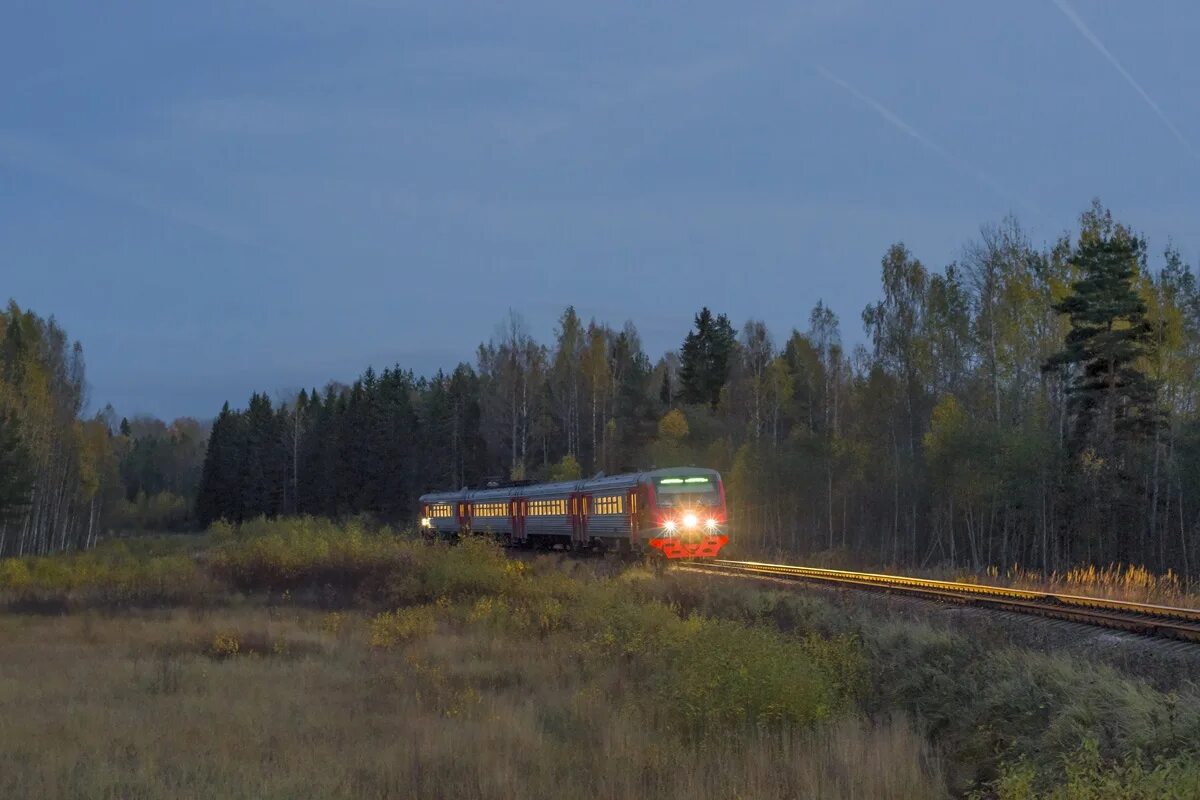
point(333, 622)
point(947, 421)
point(393, 628)
point(15, 575)
point(673, 427)
point(1091, 463)
point(225, 645)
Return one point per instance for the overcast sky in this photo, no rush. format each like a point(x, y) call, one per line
point(224, 197)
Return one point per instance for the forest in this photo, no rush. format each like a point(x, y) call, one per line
point(65, 478)
point(1023, 405)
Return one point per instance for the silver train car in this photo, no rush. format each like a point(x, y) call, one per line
point(676, 513)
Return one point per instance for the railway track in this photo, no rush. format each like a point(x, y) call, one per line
point(1163, 622)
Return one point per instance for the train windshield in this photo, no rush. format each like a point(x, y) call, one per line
point(695, 491)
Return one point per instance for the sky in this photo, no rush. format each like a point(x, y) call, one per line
point(225, 197)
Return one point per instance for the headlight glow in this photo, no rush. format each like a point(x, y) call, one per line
point(712, 523)
point(669, 525)
point(690, 521)
point(426, 522)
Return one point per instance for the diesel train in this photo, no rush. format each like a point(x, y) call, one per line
point(674, 513)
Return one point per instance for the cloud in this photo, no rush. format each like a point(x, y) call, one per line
point(895, 121)
point(1087, 33)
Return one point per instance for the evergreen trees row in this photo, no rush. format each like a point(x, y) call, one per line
point(1031, 405)
point(371, 447)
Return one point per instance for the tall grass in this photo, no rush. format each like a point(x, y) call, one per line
point(456, 671)
point(428, 701)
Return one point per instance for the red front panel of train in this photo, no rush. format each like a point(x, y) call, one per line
point(703, 547)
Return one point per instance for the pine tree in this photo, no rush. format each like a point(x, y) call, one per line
point(1111, 401)
point(1111, 398)
point(704, 359)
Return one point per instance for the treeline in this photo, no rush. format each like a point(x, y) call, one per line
point(65, 479)
point(1022, 405)
point(159, 467)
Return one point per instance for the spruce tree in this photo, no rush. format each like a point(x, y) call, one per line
point(219, 495)
point(704, 359)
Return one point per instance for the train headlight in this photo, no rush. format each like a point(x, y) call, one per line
point(426, 522)
point(690, 521)
point(669, 526)
point(711, 524)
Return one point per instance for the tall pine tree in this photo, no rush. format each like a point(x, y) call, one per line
point(704, 359)
point(1112, 400)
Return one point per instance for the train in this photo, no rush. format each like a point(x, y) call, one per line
point(674, 513)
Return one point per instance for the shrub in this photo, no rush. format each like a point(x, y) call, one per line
point(108, 576)
point(1087, 776)
point(713, 672)
point(392, 628)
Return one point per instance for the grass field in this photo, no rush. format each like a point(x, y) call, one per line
point(302, 659)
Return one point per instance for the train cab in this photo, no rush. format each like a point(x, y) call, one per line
point(687, 512)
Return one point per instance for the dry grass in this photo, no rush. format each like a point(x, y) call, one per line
point(300, 658)
point(1132, 582)
point(1116, 582)
point(163, 705)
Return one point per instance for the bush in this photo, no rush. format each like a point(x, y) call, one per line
point(112, 575)
point(278, 555)
point(1087, 776)
point(393, 628)
point(713, 672)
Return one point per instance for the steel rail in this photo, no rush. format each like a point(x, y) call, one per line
point(1144, 618)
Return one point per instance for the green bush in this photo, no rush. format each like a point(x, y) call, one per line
point(987, 705)
point(712, 672)
point(1087, 776)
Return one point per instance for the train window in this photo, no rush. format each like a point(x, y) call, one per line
point(693, 491)
point(547, 508)
point(439, 510)
point(491, 509)
point(609, 505)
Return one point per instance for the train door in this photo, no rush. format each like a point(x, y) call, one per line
point(579, 519)
point(464, 517)
point(631, 505)
point(518, 511)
